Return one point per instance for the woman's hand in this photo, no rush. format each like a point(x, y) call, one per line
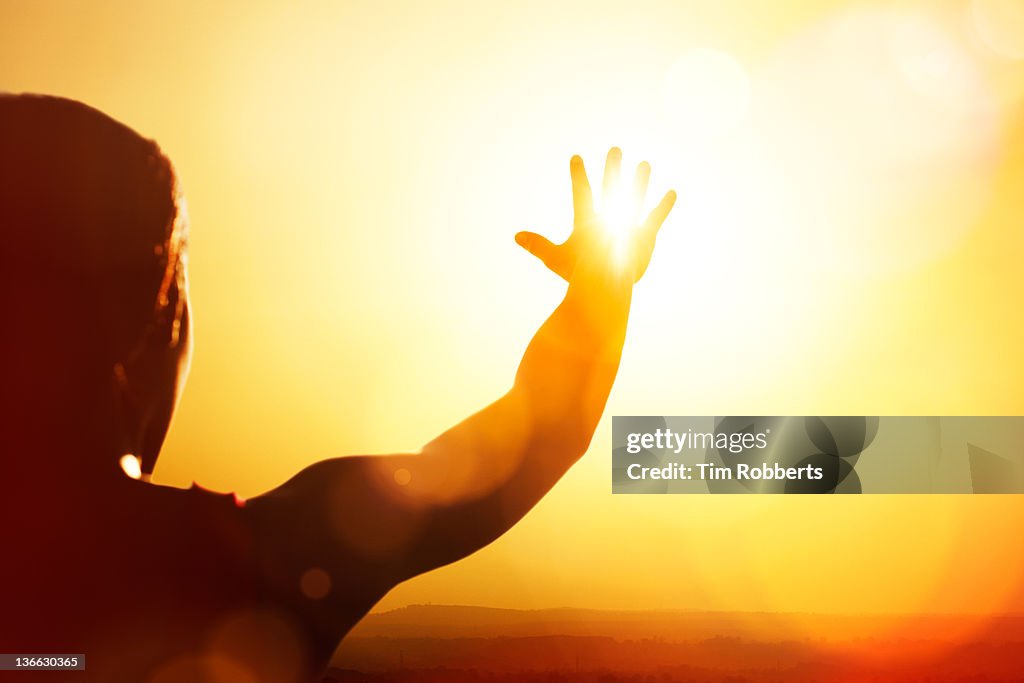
point(596, 236)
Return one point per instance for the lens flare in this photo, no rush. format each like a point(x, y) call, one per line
point(131, 466)
point(1000, 25)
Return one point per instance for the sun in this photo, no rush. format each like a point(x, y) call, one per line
point(618, 215)
point(618, 212)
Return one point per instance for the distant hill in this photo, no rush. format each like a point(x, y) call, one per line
point(455, 621)
point(428, 643)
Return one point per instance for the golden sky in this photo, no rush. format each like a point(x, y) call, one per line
point(847, 241)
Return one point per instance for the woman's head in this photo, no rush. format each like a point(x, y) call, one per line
point(93, 234)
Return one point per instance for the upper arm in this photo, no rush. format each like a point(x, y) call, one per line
point(341, 514)
point(396, 516)
point(371, 522)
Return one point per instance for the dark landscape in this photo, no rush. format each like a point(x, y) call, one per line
point(434, 643)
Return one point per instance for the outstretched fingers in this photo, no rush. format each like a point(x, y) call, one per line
point(539, 246)
point(582, 198)
point(640, 181)
point(612, 165)
point(658, 215)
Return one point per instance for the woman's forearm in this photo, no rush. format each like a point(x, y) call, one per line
point(569, 367)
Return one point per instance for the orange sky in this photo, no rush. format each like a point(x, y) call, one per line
point(846, 241)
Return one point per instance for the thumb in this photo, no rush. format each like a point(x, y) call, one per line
point(539, 246)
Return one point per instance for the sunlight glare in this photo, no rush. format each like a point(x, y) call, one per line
point(706, 95)
point(619, 214)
